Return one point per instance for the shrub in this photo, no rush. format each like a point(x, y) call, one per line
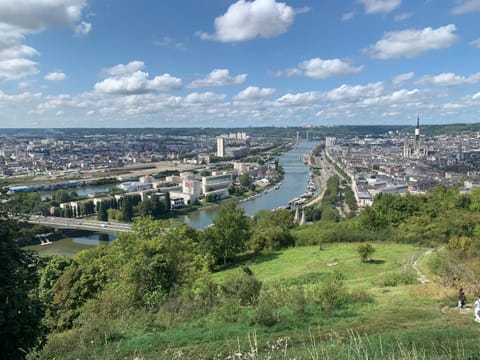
point(365, 251)
point(398, 278)
point(267, 312)
point(243, 287)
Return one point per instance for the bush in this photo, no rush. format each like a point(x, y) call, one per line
point(267, 312)
point(243, 287)
point(365, 251)
point(398, 278)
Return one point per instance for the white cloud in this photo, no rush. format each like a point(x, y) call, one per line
point(83, 28)
point(449, 79)
point(18, 98)
point(246, 20)
point(138, 83)
point(476, 96)
point(317, 68)
point(129, 79)
point(31, 15)
point(218, 77)
point(379, 6)
point(320, 69)
point(475, 43)
point(19, 18)
point(254, 93)
point(55, 76)
point(412, 42)
point(402, 16)
point(351, 93)
point(17, 68)
point(466, 6)
point(17, 51)
point(203, 98)
point(121, 69)
point(400, 79)
point(300, 99)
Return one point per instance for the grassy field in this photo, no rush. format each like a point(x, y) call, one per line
point(413, 321)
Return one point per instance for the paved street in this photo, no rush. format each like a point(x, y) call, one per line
point(79, 224)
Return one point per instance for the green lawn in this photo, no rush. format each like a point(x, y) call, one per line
point(304, 262)
point(415, 321)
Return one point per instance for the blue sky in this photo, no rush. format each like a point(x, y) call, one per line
point(224, 63)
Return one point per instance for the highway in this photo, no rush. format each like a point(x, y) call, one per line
point(82, 224)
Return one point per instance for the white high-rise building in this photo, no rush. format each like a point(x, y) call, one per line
point(220, 147)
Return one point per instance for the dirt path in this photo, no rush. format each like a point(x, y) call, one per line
point(421, 276)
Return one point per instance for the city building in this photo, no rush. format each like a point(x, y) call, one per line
point(216, 184)
point(415, 148)
point(220, 147)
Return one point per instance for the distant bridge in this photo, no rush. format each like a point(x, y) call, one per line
point(81, 224)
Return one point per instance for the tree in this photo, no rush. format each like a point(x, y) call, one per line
point(244, 180)
point(21, 311)
point(127, 209)
point(365, 251)
point(271, 230)
point(102, 214)
point(231, 232)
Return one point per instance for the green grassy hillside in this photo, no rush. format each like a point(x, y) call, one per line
point(314, 304)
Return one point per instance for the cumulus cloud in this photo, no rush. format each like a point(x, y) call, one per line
point(55, 76)
point(83, 28)
point(354, 92)
point(17, 68)
point(449, 79)
point(317, 68)
point(380, 6)
point(138, 83)
point(412, 42)
point(122, 69)
point(246, 20)
point(38, 15)
point(203, 98)
point(20, 18)
point(129, 79)
point(400, 79)
point(218, 77)
point(18, 98)
point(466, 6)
point(254, 93)
point(299, 99)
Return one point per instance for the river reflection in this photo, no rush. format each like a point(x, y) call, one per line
point(73, 243)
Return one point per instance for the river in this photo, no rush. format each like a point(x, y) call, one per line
point(293, 185)
point(73, 242)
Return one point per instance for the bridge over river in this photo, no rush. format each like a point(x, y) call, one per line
point(65, 223)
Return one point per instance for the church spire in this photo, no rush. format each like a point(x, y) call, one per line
point(417, 129)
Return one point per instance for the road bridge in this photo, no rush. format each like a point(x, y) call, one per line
point(81, 224)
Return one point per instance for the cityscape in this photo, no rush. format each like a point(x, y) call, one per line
point(239, 179)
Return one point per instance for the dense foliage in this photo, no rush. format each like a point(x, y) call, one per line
point(21, 310)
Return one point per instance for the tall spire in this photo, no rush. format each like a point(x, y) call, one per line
point(417, 130)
